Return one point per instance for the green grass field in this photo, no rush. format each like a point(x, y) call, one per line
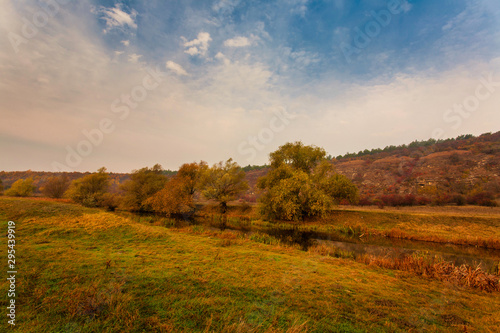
point(86, 270)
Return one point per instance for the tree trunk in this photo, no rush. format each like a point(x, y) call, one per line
point(223, 207)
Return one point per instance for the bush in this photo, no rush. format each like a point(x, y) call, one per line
point(483, 198)
point(110, 201)
point(55, 187)
point(89, 190)
point(398, 200)
point(172, 199)
point(459, 200)
point(365, 201)
point(442, 199)
point(21, 188)
point(422, 201)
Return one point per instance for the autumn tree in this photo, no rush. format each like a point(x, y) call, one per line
point(89, 190)
point(190, 175)
point(1, 187)
point(143, 183)
point(302, 183)
point(223, 182)
point(177, 195)
point(55, 187)
point(21, 188)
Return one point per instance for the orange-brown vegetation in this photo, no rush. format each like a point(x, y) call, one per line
point(437, 269)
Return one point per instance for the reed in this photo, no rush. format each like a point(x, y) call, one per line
point(435, 268)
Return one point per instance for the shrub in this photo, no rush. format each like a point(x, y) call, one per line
point(110, 201)
point(459, 200)
point(442, 199)
point(365, 201)
point(55, 187)
point(422, 201)
point(89, 190)
point(483, 198)
point(172, 199)
point(21, 188)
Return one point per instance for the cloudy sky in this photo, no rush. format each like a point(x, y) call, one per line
point(127, 84)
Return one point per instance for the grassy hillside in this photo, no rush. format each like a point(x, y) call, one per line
point(85, 270)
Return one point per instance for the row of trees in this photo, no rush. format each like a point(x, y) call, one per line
point(485, 143)
point(301, 183)
point(149, 190)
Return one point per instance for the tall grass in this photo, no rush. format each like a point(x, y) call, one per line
point(435, 268)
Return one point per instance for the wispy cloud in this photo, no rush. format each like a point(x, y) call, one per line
point(176, 68)
point(198, 46)
point(240, 41)
point(117, 17)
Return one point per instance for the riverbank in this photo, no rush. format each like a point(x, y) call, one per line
point(468, 225)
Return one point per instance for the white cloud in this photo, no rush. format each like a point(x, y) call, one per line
point(117, 17)
point(125, 42)
point(134, 58)
point(198, 46)
point(238, 42)
point(176, 68)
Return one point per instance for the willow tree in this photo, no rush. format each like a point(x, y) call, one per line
point(302, 183)
point(223, 182)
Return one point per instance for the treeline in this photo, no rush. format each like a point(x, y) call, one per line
point(478, 198)
point(301, 183)
point(486, 143)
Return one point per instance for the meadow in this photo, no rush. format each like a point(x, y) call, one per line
point(88, 270)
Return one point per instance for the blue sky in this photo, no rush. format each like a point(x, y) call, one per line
point(238, 78)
